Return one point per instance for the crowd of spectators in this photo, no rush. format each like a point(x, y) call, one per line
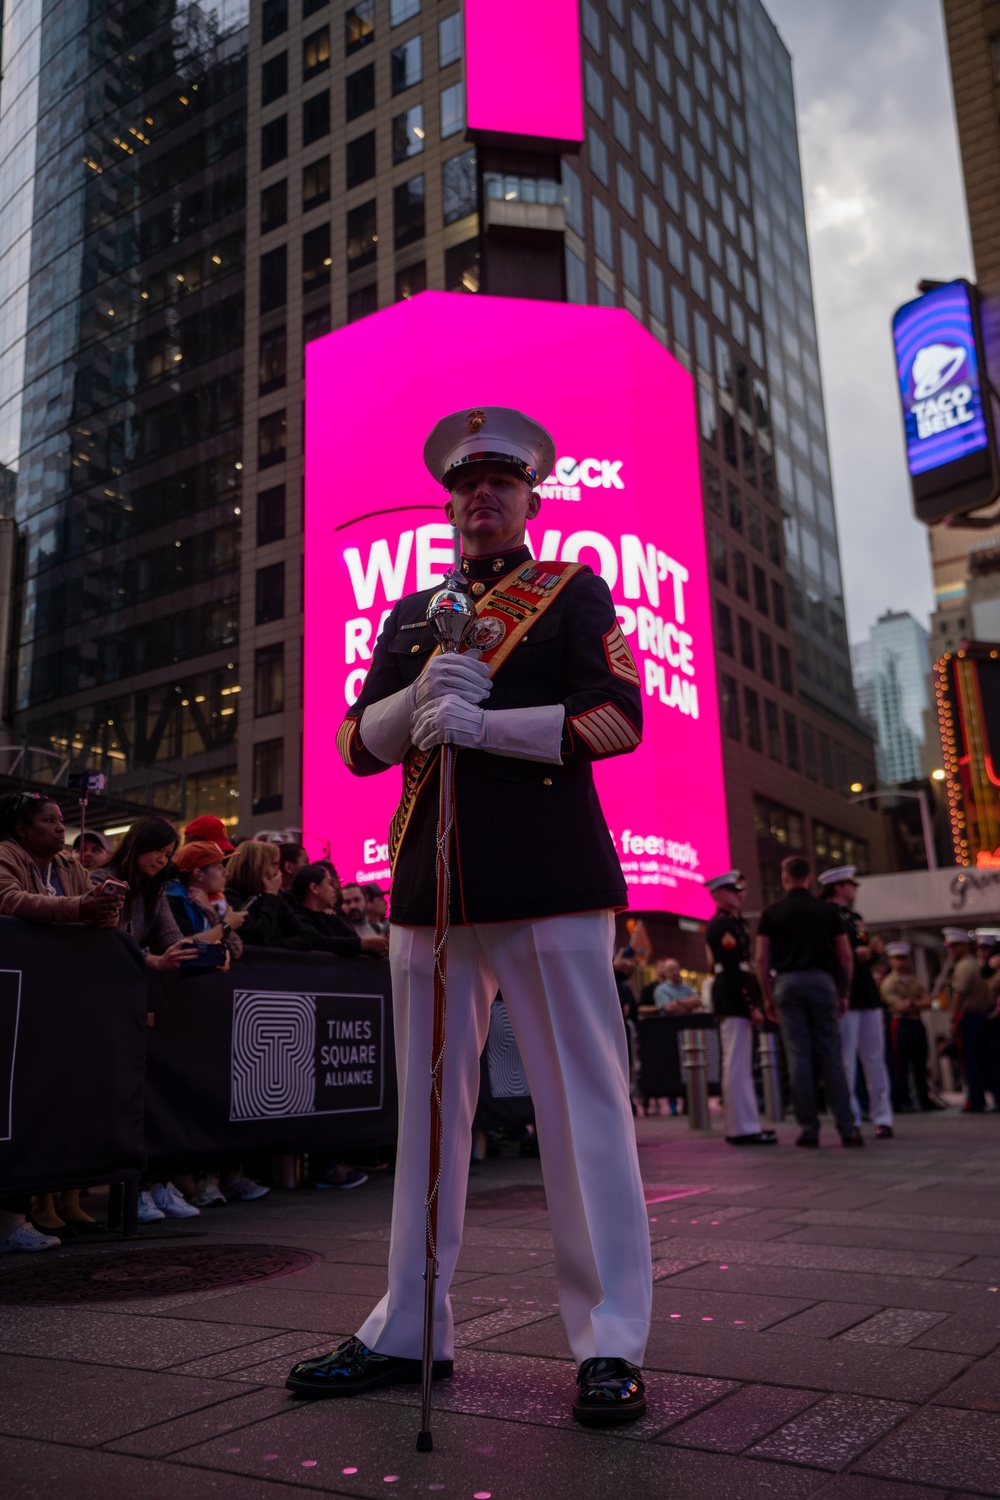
point(192, 904)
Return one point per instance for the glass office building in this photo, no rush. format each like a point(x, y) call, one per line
point(122, 176)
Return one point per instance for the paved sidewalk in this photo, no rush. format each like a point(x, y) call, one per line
point(826, 1324)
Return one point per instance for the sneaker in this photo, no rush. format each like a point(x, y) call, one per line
point(352, 1179)
point(239, 1185)
point(24, 1237)
point(148, 1211)
point(207, 1193)
point(172, 1204)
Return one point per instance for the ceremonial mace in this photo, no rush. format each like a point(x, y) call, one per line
point(449, 615)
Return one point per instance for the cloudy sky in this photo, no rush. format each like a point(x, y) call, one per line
point(885, 207)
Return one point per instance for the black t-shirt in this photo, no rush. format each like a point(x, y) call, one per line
point(803, 933)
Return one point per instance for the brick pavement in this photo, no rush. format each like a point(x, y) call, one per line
point(826, 1324)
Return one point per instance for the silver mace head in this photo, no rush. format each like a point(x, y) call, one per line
point(451, 613)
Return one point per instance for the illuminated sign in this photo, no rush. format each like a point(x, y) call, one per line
point(947, 422)
point(967, 690)
point(624, 497)
point(509, 93)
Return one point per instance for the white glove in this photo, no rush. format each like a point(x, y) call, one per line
point(385, 727)
point(450, 675)
point(518, 733)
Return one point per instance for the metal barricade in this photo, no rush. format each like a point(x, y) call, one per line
point(694, 1056)
point(770, 1076)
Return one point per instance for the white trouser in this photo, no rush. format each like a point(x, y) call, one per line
point(862, 1034)
point(556, 979)
point(739, 1097)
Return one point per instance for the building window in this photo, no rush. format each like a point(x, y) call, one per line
point(315, 53)
point(269, 680)
point(462, 267)
point(362, 302)
point(270, 594)
point(825, 760)
point(274, 19)
point(359, 92)
point(408, 212)
point(675, 248)
point(406, 65)
point(576, 278)
point(316, 118)
point(274, 78)
point(271, 515)
point(274, 141)
point(452, 110)
point(766, 656)
point(402, 10)
point(617, 60)
point(785, 669)
point(718, 555)
point(755, 535)
point(780, 832)
point(273, 279)
point(603, 242)
point(621, 125)
point(741, 582)
point(679, 315)
point(274, 206)
point(723, 627)
point(735, 500)
point(268, 776)
point(729, 706)
point(792, 743)
point(651, 219)
point(625, 184)
point(411, 281)
point(712, 485)
point(359, 26)
point(773, 727)
point(630, 262)
point(671, 188)
point(809, 751)
point(272, 360)
point(656, 291)
point(572, 199)
point(315, 323)
point(270, 441)
point(746, 643)
point(707, 420)
point(407, 134)
point(778, 598)
point(643, 96)
point(362, 236)
point(458, 186)
point(316, 183)
point(316, 258)
point(450, 39)
point(751, 718)
point(833, 848)
point(361, 159)
point(702, 343)
point(760, 589)
point(593, 88)
point(598, 154)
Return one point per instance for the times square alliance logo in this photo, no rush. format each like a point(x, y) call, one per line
point(935, 408)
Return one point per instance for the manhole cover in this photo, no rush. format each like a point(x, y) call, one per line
point(121, 1275)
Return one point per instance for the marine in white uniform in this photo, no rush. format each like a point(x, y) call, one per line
point(737, 1003)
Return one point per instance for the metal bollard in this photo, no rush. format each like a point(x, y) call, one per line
point(286, 1170)
point(694, 1057)
point(770, 1076)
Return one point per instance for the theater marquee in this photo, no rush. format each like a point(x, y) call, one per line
point(624, 497)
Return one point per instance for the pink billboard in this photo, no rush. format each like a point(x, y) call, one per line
point(624, 497)
point(540, 95)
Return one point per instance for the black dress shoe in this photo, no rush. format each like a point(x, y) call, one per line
point(609, 1391)
point(352, 1369)
point(884, 1132)
point(812, 1141)
point(853, 1140)
point(758, 1138)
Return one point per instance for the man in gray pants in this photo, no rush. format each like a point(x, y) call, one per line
point(805, 962)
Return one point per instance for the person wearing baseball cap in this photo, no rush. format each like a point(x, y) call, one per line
point(970, 1004)
point(549, 688)
point(199, 881)
point(211, 830)
point(862, 1026)
point(737, 1002)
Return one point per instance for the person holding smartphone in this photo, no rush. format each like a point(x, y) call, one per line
point(141, 864)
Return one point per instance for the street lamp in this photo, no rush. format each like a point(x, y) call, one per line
point(925, 817)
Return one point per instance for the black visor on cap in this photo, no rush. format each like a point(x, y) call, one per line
point(500, 460)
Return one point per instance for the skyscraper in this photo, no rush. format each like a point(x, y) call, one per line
point(363, 187)
point(892, 670)
point(122, 174)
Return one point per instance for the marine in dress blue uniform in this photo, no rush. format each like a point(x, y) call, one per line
point(734, 991)
point(535, 883)
point(862, 1027)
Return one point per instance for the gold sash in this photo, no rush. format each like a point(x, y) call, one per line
point(503, 617)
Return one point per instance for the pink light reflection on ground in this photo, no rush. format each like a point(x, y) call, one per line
point(609, 391)
point(523, 100)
